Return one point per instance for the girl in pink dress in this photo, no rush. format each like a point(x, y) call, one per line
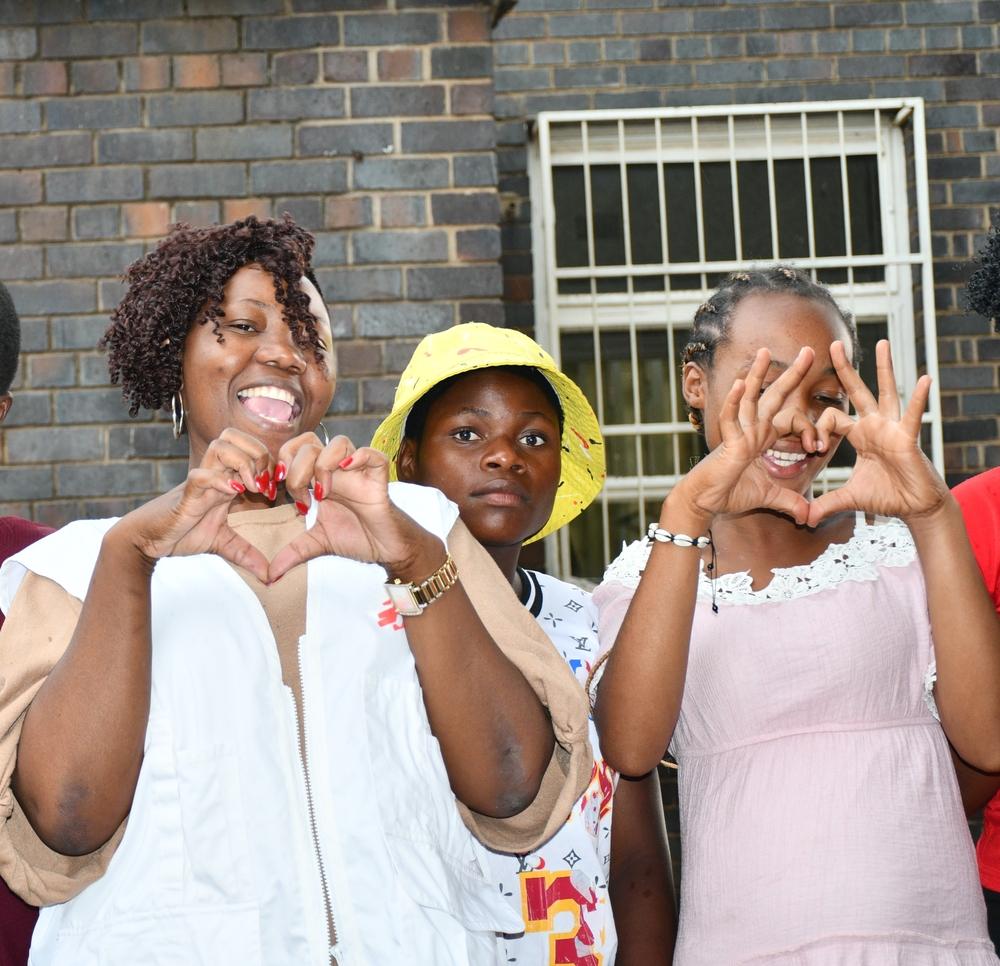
point(788, 659)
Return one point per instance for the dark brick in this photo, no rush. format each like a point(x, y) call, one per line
point(866, 14)
point(348, 212)
point(967, 430)
point(146, 73)
point(868, 41)
point(971, 89)
point(339, 139)
point(244, 70)
point(77, 332)
point(939, 11)
point(538, 78)
point(82, 40)
point(234, 8)
point(464, 62)
point(90, 406)
point(474, 170)
point(471, 99)
point(929, 90)
point(978, 37)
point(53, 297)
point(295, 102)
point(731, 45)
point(345, 65)
point(134, 9)
point(44, 150)
point(392, 101)
point(739, 19)
point(377, 30)
point(360, 284)
point(589, 52)
point(479, 208)
point(244, 142)
point(954, 167)
point(438, 283)
point(306, 210)
point(952, 115)
point(826, 43)
point(400, 246)
point(970, 192)
point(197, 181)
point(18, 43)
point(20, 261)
point(554, 53)
point(811, 68)
point(492, 312)
point(97, 221)
point(30, 409)
point(203, 107)
point(331, 249)
point(22, 188)
point(519, 28)
point(8, 227)
point(105, 479)
point(941, 37)
point(284, 33)
point(151, 441)
point(908, 39)
point(401, 173)
point(872, 66)
point(587, 77)
point(94, 76)
point(981, 404)
point(117, 147)
point(94, 370)
point(377, 395)
point(95, 184)
point(478, 244)
point(988, 351)
point(50, 369)
point(582, 25)
point(39, 77)
point(402, 211)
point(382, 321)
point(732, 72)
point(93, 112)
point(188, 36)
point(26, 484)
point(74, 261)
point(667, 75)
point(937, 65)
point(512, 54)
point(40, 11)
point(296, 68)
point(19, 116)
point(447, 136)
point(298, 177)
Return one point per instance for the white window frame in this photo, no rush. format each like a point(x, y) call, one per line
point(633, 312)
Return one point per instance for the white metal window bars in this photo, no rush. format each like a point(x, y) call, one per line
point(594, 291)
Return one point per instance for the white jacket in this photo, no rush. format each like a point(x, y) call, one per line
point(218, 864)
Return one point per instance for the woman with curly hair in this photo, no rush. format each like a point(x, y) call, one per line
point(979, 498)
point(303, 701)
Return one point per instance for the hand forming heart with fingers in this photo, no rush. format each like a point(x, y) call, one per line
point(891, 476)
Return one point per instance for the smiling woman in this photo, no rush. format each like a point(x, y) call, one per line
point(308, 772)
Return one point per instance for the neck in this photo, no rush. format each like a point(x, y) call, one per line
point(757, 528)
point(506, 559)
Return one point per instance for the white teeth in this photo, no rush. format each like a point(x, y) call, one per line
point(784, 459)
point(269, 392)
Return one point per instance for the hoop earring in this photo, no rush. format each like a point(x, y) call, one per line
point(326, 435)
point(177, 414)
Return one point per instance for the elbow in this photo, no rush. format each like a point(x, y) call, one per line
point(630, 762)
point(64, 826)
point(519, 785)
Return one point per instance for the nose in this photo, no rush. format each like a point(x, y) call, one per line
point(278, 349)
point(502, 453)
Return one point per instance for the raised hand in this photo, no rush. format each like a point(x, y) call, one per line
point(891, 476)
point(192, 517)
point(354, 516)
point(726, 480)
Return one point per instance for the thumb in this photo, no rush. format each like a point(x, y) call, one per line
point(232, 547)
point(790, 503)
point(829, 504)
point(304, 547)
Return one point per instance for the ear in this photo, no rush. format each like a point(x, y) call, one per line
point(6, 401)
point(406, 461)
point(694, 385)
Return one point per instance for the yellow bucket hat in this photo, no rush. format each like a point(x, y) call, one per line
point(476, 345)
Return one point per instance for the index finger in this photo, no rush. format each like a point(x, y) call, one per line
point(860, 395)
point(888, 396)
point(773, 399)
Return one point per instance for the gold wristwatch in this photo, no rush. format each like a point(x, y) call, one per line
point(410, 600)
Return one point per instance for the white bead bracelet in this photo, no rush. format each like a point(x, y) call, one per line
point(677, 539)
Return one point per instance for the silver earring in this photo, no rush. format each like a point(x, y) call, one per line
point(325, 434)
point(177, 414)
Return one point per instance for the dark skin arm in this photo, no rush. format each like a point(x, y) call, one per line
point(977, 787)
point(641, 883)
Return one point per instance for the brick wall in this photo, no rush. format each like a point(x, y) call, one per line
point(369, 120)
point(582, 54)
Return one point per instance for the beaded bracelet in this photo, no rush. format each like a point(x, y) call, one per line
point(677, 539)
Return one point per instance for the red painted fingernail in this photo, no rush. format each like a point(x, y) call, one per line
point(318, 491)
point(301, 507)
point(272, 490)
point(237, 486)
point(263, 481)
point(345, 462)
point(280, 472)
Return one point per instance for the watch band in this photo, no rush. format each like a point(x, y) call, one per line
point(410, 600)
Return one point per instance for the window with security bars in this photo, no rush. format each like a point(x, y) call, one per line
point(637, 217)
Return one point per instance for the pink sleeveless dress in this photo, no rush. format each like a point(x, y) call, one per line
point(821, 822)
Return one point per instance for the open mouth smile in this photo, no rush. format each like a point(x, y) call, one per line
point(271, 404)
point(785, 464)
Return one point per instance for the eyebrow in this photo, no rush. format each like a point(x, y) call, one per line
point(784, 366)
point(475, 411)
point(256, 303)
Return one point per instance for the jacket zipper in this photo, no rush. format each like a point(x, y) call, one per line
point(300, 721)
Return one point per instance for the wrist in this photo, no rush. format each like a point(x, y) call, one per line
point(418, 565)
point(681, 514)
point(931, 521)
point(121, 547)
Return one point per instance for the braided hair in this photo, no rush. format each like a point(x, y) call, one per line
point(10, 339)
point(711, 321)
point(181, 283)
point(982, 292)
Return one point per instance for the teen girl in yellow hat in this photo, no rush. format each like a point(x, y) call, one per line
point(485, 415)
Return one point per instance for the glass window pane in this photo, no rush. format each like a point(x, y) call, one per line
point(609, 224)
point(571, 217)
point(644, 214)
point(869, 334)
point(755, 210)
point(682, 221)
point(866, 218)
point(790, 200)
point(717, 213)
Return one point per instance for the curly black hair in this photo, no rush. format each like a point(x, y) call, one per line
point(10, 339)
point(180, 283)
point(982, 291)
point(711, 321)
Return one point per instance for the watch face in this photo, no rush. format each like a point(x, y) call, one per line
point(403, 599)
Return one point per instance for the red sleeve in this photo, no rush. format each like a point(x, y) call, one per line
point(979, 499)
